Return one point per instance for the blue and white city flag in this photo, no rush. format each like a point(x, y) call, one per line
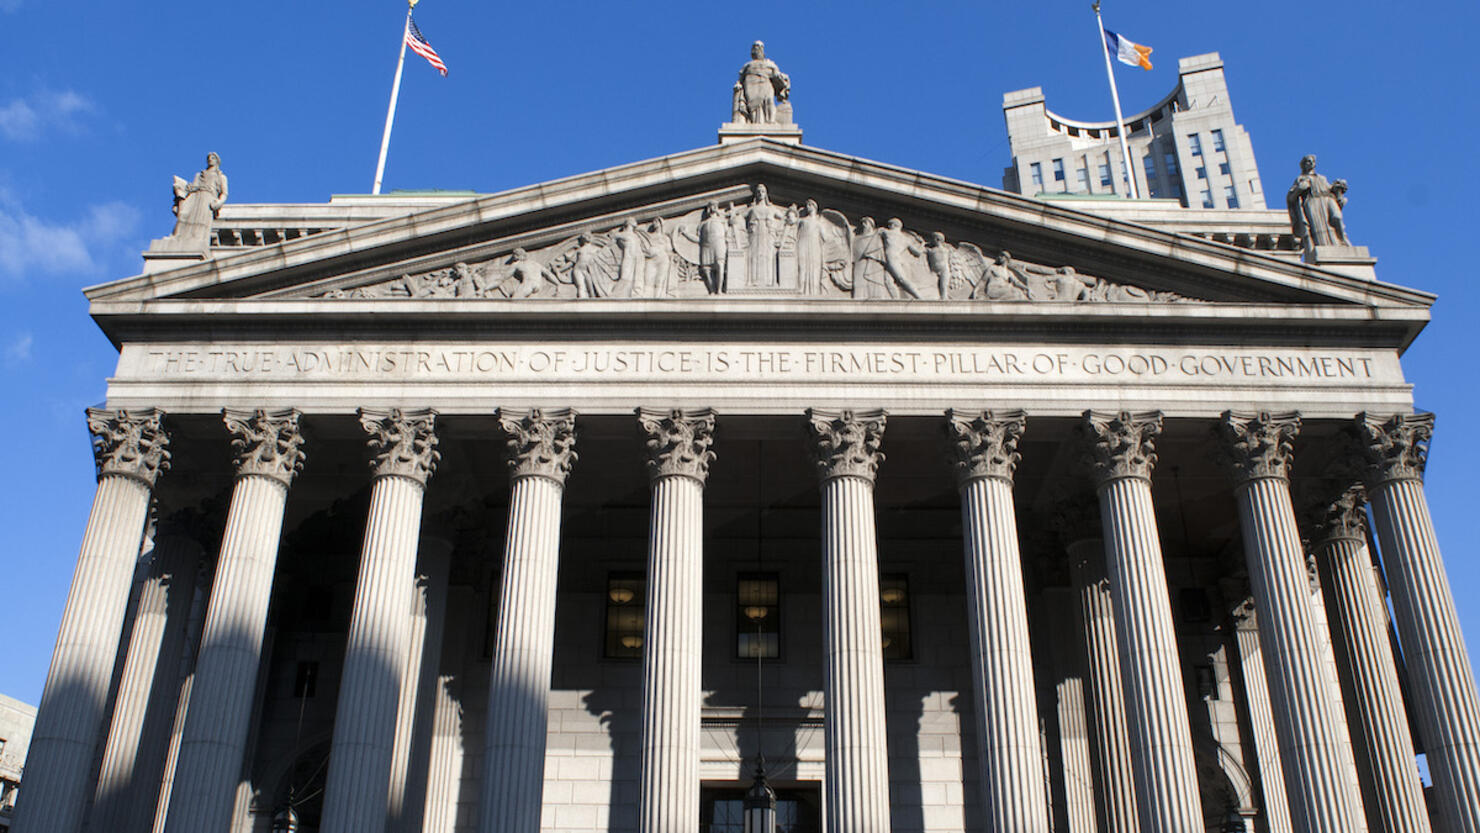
point(1127, 52)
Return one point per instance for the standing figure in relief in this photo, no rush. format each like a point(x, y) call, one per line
point(1000, 282)
point(938, 256)
point(809, 249)
point(898, 245)
point(761, 82)
point(869, 276)
point(586, 269)
point(713, 248)
point(659, 254)
point(1315, 208)
point(630, 254)
point(197, 203)
point(761, 232)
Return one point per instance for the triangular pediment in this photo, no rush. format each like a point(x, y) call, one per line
point(695, 225)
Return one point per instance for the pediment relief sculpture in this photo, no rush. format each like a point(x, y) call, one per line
point(759, 249)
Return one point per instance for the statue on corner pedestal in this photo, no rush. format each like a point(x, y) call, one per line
point(763, 93)
point(196, 205)
point(1315, 207)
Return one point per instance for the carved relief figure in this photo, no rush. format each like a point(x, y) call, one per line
point(527, 275)
point(898, 245)
point(809, 249)
point(713, 247)
point(762, 228)
point(1000, 282)
point(1315, 207)
point(761, 83)
point(197, 203)
point(938, 256)
point(629, 244)
point(586, 268)
point(658, 266)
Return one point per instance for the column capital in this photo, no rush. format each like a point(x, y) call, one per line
point(129, 443)
point(1121, 444)
point(985, 443)
point(541, 443)
point(1245, 617)
point(678, 441)
point(265, 443)
point(1394, 448)
point(402, 443)
point(1257, 444)
point(1341, 517)
point(846, 443)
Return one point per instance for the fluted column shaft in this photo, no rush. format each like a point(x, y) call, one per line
point(1014, 798)
point(133, 756)
point(356, 792)
point(1439, 670)
point(1116, 784)
point(1374, 701)
point(540, 448)
point(1122, 453)
point(427, 608)
point(672, 645)
point(445, 752)
point(1261, 718)
point(130, 450)
point(856, 770)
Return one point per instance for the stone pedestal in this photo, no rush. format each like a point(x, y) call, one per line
point(1439, 670)
point(540, 456)
point(131, 451)
point(678, 459)
point(1374, 701)
point(1013, 797)
point(1122, 454)
point(1258, 452)
point(209, 766)
point(738, 132)
point(356, 794)
point(856, 779)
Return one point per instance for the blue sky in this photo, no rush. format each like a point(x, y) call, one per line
point(100, 103)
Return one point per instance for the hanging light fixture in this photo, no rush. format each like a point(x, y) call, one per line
point(285, 820)
point(760, 802)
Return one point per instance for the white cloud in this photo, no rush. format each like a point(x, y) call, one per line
point(26, 119)
point(19, 349)
point(31, 246)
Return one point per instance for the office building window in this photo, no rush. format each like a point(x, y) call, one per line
point(1218, 141)
point(1177, 190)
point(1231, 196)
point(1105, 173)
point(1149, 164)
point(723, 810)
point(1082, 176)
point(1058, 170)
point(1037, 170)
point(1171, 164)
point(1195, 144)
point(758, 616)
point(894, 615)
point(1202, 173)
point(1224, 169)
point(626, 596)
point(1207, 198)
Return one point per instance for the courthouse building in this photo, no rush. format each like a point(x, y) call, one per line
point(568, 508)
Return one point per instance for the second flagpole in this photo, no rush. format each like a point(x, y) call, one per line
point(390, 113)
point(1125, 148)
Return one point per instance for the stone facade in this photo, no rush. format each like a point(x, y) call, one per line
point(565, 524)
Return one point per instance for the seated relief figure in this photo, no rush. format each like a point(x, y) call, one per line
point(760, 248)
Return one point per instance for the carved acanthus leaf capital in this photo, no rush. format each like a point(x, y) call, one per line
point(541, 443)
point(1395, 448)
point(1259, 444)
point(1244, 616)
point(985, 443)
point(402, 443)
point(846, 443)
point(1335, 518)
point(265, 443)
point(678, 441)
point(1121, 444)
point(130, 443)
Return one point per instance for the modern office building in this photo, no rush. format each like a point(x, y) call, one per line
point(16, 720)
point(567, 508)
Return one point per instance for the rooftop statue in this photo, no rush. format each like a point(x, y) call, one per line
point(196, 204)
point(1315, 207)
point(763, 93)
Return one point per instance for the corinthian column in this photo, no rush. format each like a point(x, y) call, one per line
point(130, 448)
point(357, 791)
point(1443, 683)
point(541, 452)
point(678, 459)
point(1374, 701)
point(846, 451)
point(1122, 452)
point(1080, 525)
point(268, 450)
point(1261, 718)
point(1258, 452)
point(986, 456)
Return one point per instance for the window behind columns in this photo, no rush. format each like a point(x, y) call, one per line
point(626, 599)
point(894, 615)
point(758, 616)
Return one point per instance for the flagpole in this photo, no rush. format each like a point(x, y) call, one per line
point(1125, 148)
point(390, 113)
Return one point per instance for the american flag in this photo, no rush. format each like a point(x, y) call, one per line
point(419, 45)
